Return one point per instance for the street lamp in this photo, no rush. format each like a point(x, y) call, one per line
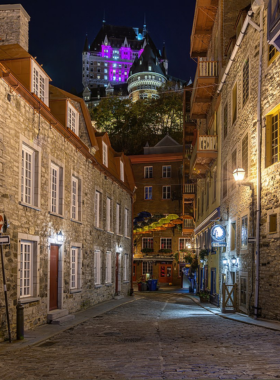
point(60, 237)
point(234, 261)
point(225, 262)
point(239, 174)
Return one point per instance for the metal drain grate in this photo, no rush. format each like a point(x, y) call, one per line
point(47, 344)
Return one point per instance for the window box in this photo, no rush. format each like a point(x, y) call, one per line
point(165, 250)
point(147, 250)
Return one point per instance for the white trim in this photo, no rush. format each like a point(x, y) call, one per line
point(105, 154)
point(40, 84)
point(72, 118)
point(121, 171)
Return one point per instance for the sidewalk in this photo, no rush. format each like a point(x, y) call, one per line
point(47, 331)
point(238, 317)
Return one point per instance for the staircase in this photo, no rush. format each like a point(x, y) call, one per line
point(59, 317)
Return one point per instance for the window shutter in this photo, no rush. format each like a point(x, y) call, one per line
point(95, 267)
point(268, 142)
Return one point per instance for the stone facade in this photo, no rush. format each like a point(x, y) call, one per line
point(14, 25)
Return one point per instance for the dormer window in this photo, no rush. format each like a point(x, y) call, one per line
point(150, 68)
point(73, 119)
point(140, 62)
point(104, 154)
point(121, 171)
point(40, 83)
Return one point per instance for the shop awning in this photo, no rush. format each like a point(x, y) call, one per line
point(215, 215)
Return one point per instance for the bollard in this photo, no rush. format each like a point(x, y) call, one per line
point(20, 321)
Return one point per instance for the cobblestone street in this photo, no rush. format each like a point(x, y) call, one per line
point(158, 336)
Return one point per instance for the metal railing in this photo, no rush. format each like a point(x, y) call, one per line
point(207, 69)
point(188, 223)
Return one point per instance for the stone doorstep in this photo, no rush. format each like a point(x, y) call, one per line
point(63, 320)
point(118, 297)
point(56, 314)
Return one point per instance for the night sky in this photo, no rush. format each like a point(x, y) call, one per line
point(57, 32)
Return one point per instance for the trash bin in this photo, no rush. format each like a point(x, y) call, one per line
point(139, 286)
point(144, 287)
point(153, 285)
point(150, 284)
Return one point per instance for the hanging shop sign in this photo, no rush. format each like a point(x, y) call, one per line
point(218, 233)
point(219, 244)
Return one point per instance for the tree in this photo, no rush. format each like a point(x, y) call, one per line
point(130, 125)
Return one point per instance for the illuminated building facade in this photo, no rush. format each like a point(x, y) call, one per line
point(110, 56)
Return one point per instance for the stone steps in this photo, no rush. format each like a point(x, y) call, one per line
point(63, 320)
point(56, 314)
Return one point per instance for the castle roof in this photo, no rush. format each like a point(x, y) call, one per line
point(147, 60)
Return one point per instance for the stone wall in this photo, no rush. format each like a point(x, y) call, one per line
point(14, 25)
point(20, 123)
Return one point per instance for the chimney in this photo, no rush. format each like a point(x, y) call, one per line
point(14, 25)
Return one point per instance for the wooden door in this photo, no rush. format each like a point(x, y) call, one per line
point(54, 277)
point(165, 273)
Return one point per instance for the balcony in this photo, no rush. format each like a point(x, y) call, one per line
point(204, 18)
point(204, 153)
point(188, 226)
point(189, 128)
point(204, 88)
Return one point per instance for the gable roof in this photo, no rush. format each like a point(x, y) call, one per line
point(167, 141)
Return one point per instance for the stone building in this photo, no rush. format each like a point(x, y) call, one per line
point(245, 109)
point(158, 177)
point(66, 195)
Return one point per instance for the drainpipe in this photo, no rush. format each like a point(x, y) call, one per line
point(257, 4)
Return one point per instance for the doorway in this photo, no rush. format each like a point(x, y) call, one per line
point(54, 254)
point(165, 273)
point(134, 273)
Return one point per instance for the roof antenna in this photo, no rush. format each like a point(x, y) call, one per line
point(103, 21)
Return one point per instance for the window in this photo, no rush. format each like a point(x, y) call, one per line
point(183, 243)
point(125, 269)
point(56, 186)
point(148, 243)
point(244, 232)
point(105, 77)
point(245, 81)
point(148, 192)
point(76, 199)
point(225, 120)
point(108, 272)
point(275, 138)
point(105, 71)
point(104, 154)
point(165, 243)
point(143, 96)
point(121, 171)
point(150, 68)
point(98, 209)
point(73, 119)
point(215, 185)
point(245, 165)
point(97, 268)
point(75, 280)
point(234, 103)
point(148, 172)
point(225, 180)
point(272, 223)
point(233, 167)
point(109, 211)
point(166, 171)
point(147, 268)
point(118, 218)
point(166, 192)
point(29, 176)
point(272, 53)
point(40, 83)
point(233, 236)
point(243, 291)
point(126, 223)
point(26, 269)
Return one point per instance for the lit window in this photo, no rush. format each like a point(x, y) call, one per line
point(244, 232)
point(166, 192)
point(125, 73)
point(114, 78)
point(98, 63)
point(166, 171)
point(56, 185)
point(120, 65)
point(105, 71)
point(105, 77)
point(150, 68)
point(114, 65)
point(114, 71)
point(148, 243)
point(98, 76)
point(104, 154)
point(148, 172)
point(166, 243)
point(105, 64)
point(73, 119)
point(147, 268)
point(120, 79)
point(148, 192)
point(138, 78)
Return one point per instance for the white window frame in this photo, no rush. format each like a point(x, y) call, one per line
point(74, 264)
point(149, 192)
point(26, 269)
point(27, 175)
point(118, 207)
point(241, 226)
point(165, 171)
point(97, 208)
point(186, 240)
point(38, 77)
point(121, 170)
point(105, 154)
point(72, 118)
point(109, 214)
point(74, 198)
point(148, 242)
point(165, 193)
point(164, 241)
point(147, 171)
point(58, 201)
point(126, 223)
point(97, 267)
point(125, 269)
point(148, 268)
point(108, 272)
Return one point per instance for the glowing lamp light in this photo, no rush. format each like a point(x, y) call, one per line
point(225, 261)
point(239, 174)
point(234, 261)
point(60, 237)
